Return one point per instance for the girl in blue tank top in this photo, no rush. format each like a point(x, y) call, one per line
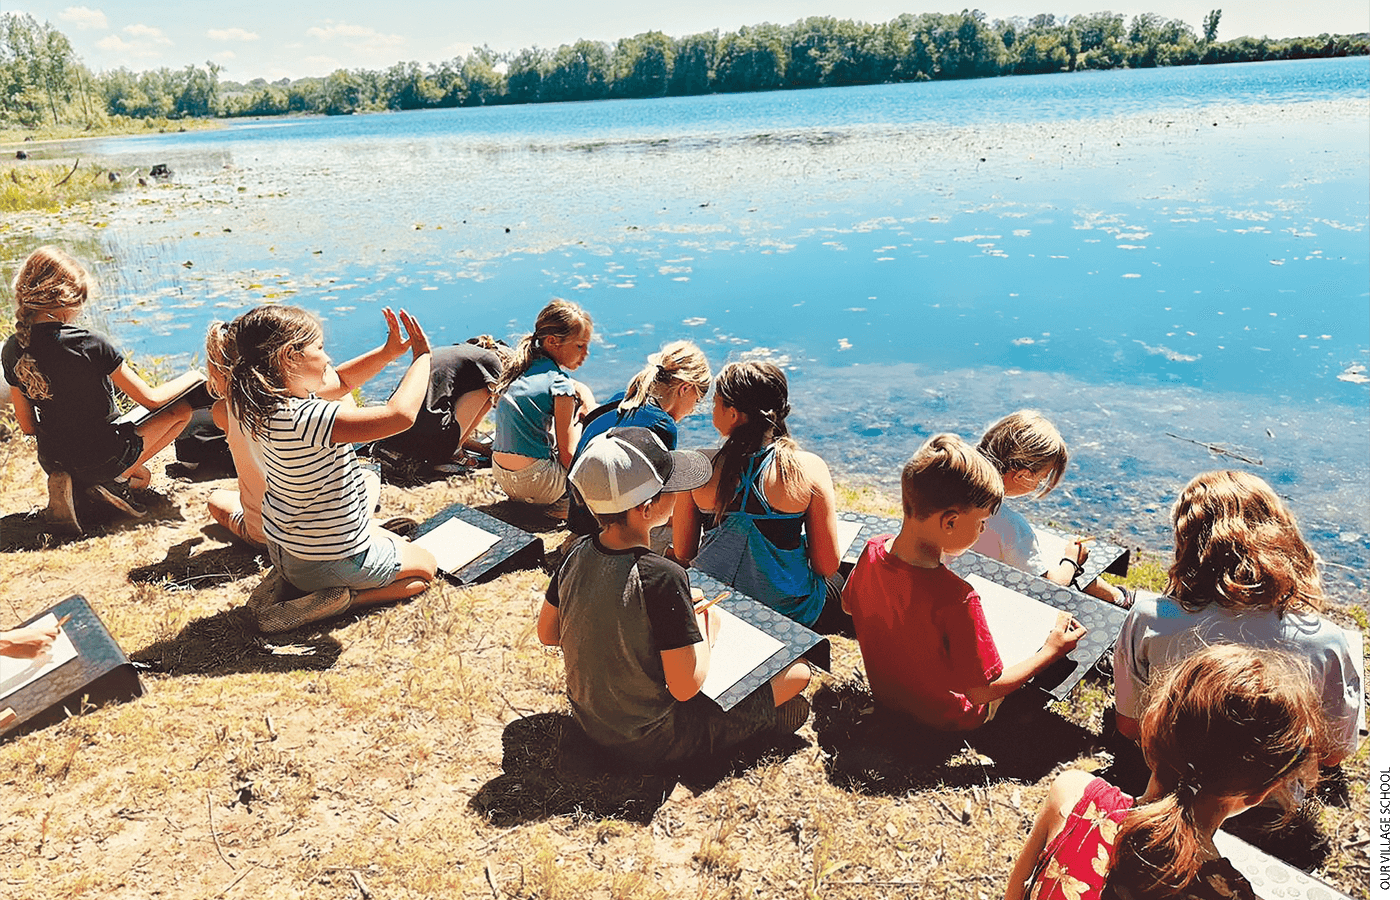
point(773, 503)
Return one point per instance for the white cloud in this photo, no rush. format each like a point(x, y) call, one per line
point(231, 34)
point(225, 55)
point(82, 18)
point(147, 33)
point(360, 38)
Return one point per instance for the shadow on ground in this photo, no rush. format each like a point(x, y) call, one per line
point(31, 531)
point(182, 567)
point(227, 642)
point(877, 753)
point(550, 768)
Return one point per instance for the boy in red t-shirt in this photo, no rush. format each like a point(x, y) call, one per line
point(927, 649)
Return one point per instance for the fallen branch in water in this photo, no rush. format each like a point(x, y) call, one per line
point(1216, 449)
point(70, 173)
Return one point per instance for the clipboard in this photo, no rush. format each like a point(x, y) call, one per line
point(513, 548)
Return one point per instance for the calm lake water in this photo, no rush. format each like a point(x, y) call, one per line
point(1159, 260)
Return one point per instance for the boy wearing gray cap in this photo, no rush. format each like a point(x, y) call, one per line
point(635, 650)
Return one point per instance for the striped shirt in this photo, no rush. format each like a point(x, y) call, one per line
point(316, 505)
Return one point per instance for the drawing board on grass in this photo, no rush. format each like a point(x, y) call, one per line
point(739, 649)
point(455, 543)
point(16, 673)
point(1019, 624)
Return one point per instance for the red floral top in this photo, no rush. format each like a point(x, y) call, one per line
point(1074, 865)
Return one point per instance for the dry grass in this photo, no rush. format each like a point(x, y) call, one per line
point(422, 750)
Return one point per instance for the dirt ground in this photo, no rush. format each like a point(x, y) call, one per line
point(424, 750)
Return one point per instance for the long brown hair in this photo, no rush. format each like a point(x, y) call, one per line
point(1227, 721)
point(759, 390)
point(1239, 547)
point(261, 342)
point(559, 318)
point(48, 280)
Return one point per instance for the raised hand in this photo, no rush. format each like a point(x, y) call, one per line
point(416, 338)
point(395, 344)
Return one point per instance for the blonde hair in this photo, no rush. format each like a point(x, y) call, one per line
point(1026, 440)
point(48, 280)
point(262, 342)
point(947, 473)
point(1227, 721)
point(217, 356)
point(759, 390)
point(1239, 547)
point(679, 363)
point(559, 318)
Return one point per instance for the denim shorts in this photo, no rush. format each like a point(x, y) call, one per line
point(373, 568)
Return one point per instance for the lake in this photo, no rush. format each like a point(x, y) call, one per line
point(1172, 264)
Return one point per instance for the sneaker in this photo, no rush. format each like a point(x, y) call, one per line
point(117, 495)
point(61, 511)
point(403, 526)
point(272, 589)
point(792, 715)
point(287, 615)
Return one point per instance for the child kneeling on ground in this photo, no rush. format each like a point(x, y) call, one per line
point(927, 649)
point(635, 650)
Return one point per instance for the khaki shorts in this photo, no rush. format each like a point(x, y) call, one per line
point(542, 483)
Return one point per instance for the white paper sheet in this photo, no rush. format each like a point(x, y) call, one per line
point(1019, 623)
point(16, 673)
point(455, 543)
point(846, 536)
point(739, 649)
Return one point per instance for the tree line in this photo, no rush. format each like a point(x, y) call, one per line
point(42, 79)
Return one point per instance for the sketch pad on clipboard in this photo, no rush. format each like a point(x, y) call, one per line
point(456, 543)
point(16, 673)
point(739, 649)
point(1019, 624)
point(846, 533)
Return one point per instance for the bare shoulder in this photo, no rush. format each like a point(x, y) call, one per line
point(1068, 787)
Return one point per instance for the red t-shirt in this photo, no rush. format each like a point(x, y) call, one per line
point(923, 637)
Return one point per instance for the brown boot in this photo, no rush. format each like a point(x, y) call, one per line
point(61, 512)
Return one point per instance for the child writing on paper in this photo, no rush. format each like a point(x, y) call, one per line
point(928, 652)
point(540, 408)
point(27, 642)
point(65, 377)
point(1223, 729)
point(316, 512)
point(1031, 457)
point(635, 650)
point(1244, 574)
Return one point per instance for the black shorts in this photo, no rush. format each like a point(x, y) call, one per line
point(120, 454)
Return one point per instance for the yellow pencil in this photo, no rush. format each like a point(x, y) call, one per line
point(64, 621)
point(708, 603)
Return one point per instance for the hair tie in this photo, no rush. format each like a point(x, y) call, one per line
point(1188, 784)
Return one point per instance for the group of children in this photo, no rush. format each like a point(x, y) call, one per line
point(758, 513)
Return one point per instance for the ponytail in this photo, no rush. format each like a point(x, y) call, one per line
point(679, 363)
point(559, 318)
point(759, 391)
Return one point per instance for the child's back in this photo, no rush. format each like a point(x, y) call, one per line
point(922, 634)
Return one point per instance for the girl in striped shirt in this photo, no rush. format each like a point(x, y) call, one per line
point(326, 555)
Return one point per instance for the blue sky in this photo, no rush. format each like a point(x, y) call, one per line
point(276, 38)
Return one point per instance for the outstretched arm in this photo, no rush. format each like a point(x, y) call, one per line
point(1063, 638)
point(135, 387)
point(370, 423)
point(362, 368)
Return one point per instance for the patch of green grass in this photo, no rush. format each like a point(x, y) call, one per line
point(46, 186)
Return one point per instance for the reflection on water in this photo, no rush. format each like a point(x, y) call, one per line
point(919, 257)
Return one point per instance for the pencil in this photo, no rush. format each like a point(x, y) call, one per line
point(706, 604)
point(64, 621)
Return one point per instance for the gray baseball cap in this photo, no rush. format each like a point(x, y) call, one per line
point(625, 467)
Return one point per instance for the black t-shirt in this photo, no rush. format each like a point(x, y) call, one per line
point(456, 371)
point(76, 409)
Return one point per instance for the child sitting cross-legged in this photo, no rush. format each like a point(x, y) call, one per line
point(635, 650)
point(928, 652)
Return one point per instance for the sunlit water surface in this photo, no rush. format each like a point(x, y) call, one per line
point(1164, 262)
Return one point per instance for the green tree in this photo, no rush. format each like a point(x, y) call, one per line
point(341, 93)
point(643, 65)
point(754, 58)
point(694, 69)
point(1210, 27)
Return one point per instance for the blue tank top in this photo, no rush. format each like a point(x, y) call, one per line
point(738, 552)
